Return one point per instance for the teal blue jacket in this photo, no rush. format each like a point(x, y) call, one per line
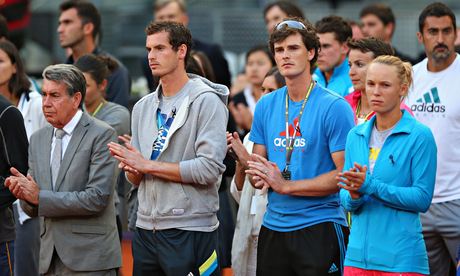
point(340, 81)
point(387, 234)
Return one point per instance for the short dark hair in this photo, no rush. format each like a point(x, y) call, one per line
point(87, 12)
point(70, 76)
point(436, 9)
point(99, 67)
point(178, 35)
point(337, 25)
point(280, 80)
point(371, 45)
point(382, 11)
point(3, 27)
point(261, 48)
point(309, 38)
point(291, 9)
point(19, 82)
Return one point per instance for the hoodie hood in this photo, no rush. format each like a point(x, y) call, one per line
point(202, 85)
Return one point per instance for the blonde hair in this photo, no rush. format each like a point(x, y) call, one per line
point(403, 69)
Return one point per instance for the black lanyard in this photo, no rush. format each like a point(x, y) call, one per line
point(290, 141)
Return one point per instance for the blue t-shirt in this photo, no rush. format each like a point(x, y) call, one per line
point(164, 123)
point(325, 123)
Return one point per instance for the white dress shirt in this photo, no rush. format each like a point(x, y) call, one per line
point(69, 128)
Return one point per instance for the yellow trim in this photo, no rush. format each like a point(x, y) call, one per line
point(208, 262)
point(9, 258)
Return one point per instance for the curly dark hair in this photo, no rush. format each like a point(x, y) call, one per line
point(309, 38)
point(178, 35)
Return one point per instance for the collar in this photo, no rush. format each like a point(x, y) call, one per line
point(343, 68)
point(340, 70)
point(353, 98)
point(405, 125)
point(72, 124)
point(97, 51)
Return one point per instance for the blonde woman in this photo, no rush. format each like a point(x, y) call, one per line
point(388, 179)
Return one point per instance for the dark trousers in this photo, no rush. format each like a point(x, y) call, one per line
point(175, 252)
point(315, 250)
point(26, 246)
point(6, 258)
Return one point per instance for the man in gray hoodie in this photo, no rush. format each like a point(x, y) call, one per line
point(176, 157)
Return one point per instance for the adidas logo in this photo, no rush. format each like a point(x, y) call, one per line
point(430, 102)
point(333, 268)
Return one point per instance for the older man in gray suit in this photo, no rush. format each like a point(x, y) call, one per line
point(71, 182)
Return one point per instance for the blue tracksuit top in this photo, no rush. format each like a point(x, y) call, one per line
point(339, 82)
point(387, 234)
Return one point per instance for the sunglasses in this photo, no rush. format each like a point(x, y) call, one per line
point(291, 24)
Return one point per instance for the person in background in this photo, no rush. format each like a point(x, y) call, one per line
point(79, 30)
point(356, 29)
point(15, 86)
point(252, 202)
point(13, 153)
point(273, 14)
point(259, 60)
point(388, 179)
point(435, 102)
point(378, 21)
point(97, 70)
point(362, 52)
point(332, 71)
point(176, 11)
point(277, 11)
point(204, 64)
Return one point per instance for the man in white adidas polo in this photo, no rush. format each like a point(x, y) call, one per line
point(435, 101)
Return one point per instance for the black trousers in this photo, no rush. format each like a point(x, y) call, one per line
point(316, 250)
point(175, 252)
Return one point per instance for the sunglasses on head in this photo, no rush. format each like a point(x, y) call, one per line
point(291, 24)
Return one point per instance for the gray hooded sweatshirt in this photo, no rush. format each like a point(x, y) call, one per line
point(197, 141)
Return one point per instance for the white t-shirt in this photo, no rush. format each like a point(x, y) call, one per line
point(435, 101)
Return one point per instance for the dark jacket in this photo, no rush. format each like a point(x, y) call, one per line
point(13, 153)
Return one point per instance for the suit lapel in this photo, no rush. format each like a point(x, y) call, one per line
point(77, 136)
point(45, 152)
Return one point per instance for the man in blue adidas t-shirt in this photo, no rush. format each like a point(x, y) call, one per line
point(302, 128)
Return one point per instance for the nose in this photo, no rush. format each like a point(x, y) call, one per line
point(440, 37)
point(352, 71)
point(150, 55)
point(46, 100)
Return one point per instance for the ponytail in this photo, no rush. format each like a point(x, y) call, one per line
point(403, 69)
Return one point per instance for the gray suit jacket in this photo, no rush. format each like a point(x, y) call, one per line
point(79, 214)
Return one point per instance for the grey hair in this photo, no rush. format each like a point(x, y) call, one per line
point(69, 75)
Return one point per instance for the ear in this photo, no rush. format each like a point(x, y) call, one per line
point(77, 99)
point(103, 85)
point(182, 51)
point(88, 28)
point(185, 19)
point(420, 37)
point(14, 69)
point(404, 90)
point(344, 48)
point(311, 54)
point(389, 30)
